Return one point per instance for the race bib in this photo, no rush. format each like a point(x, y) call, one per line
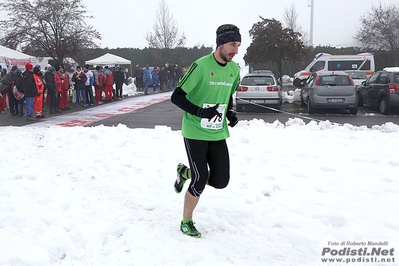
point(215, 122)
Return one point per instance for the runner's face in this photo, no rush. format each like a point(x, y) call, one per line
point(228, 50)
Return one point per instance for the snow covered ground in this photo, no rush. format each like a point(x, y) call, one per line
point(104, 196)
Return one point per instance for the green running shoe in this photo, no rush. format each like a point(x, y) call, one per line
point(182, 176)
point(189, 229)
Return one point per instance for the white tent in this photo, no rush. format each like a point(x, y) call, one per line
point(10, 57)
point(109, 60)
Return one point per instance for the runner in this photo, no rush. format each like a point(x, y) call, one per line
point(205, 94)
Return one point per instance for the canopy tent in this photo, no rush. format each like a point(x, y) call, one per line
point(10, 57)
point(109, 59)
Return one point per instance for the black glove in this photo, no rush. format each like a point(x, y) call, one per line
point(209, 112)
point(231, 116)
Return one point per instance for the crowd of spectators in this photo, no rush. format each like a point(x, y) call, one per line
point(58, 88)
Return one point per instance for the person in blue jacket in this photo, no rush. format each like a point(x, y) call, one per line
point(146, 77)
point(155, 78)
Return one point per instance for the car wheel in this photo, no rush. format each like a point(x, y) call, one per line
point(353, 111)
point(383, 106)
point(310, 108)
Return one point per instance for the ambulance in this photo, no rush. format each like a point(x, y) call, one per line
point(322, 61)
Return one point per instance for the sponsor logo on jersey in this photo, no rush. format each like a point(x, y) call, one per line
point(220, 83)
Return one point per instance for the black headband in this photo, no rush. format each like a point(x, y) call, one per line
point(228, 36)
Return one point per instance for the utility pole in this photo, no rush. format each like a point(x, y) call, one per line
point(311, 5)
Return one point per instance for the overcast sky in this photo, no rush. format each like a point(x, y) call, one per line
point(124, 23)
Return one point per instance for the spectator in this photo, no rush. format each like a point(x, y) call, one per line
point(98, 84)
point(176, 75)
point(155, 78)
point(30, 90)
point(79, 78)
point(89, 85)
point(64, 94)
point(138, 76)
point(7, 83)
point(19, 84)
point(51, 89)
point(2, 90)
point(163, 78)
point(108, 84)
point(119, 79)
point(58, 87)
point(179, 74)
point(38, 104)
point(126, 74)
point(171, 76)
point(147, 77)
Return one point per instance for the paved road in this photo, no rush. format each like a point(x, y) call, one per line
point(165, 113)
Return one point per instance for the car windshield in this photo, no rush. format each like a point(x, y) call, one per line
point(335, 80)
point(257, 80)
point(358, 75)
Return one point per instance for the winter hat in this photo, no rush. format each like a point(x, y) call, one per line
point(231, 34)
point(18, 72)
point(51, 69)
point(28, 66)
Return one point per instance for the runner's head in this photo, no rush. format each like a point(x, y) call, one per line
point(228, 39)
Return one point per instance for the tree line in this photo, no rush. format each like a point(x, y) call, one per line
point(152, 56)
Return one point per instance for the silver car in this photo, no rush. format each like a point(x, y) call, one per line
point(323, 90)
point(357, 76)
point(258, 88)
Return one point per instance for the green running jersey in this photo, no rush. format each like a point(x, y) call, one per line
point(207, 83)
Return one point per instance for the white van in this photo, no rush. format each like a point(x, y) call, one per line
point(361, 62)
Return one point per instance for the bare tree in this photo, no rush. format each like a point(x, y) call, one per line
point(379, 29)
point(165, 33)
point(54, 28)
point(290, 18)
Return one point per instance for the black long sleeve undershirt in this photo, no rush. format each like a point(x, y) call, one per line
point(179, 98)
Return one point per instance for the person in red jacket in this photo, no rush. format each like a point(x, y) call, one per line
point(109, 82)
point(64, 77)
point(38, 105)
point(58, 88)
point(98, 83)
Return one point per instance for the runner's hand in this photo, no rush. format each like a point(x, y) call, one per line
point(209, 112)
point(231, 116)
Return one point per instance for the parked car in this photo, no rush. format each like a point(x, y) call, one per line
point(329, 90)
point(259, 87)
point(381, 90)
point(357, 76)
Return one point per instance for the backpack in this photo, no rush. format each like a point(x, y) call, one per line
point(17, 94)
